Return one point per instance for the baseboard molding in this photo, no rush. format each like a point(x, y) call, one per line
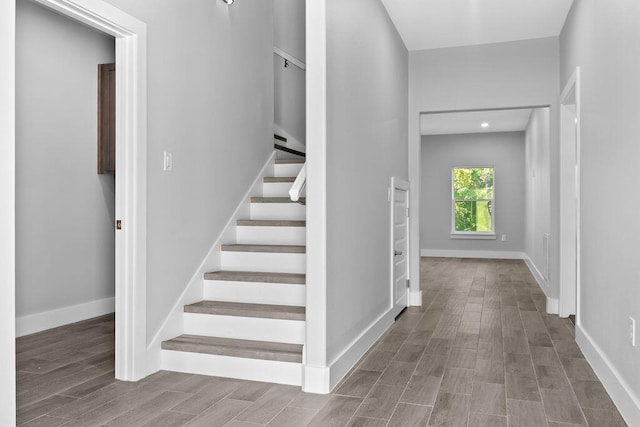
point(316, 379)
point(38, 322)
point(173, 324)
point(343, 363)
point(453, 253)
point(621, 393)
point(415, 298)
point(552, 303)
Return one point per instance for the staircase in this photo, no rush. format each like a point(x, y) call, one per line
point(251, 321)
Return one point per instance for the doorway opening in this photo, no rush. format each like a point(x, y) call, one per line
point(503, 215)
point(130, 182)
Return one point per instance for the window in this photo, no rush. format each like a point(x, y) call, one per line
point(473, 202)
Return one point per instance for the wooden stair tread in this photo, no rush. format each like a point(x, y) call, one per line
point(289, 161)
point(270, 179)
point(265, 311)
point(275, 200)
point(236, 348)
point(251, 276)
point(270, 223)
point(289, 249)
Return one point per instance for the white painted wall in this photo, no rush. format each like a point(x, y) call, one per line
point(609, 61)
point(537, 172)
point(210, 85)
point(7, 217)
point(289, 82)
point(366, 144)
point(289, 103)
point(503, 151)
point(289, 27)
point(514, 74)
point(65, 243)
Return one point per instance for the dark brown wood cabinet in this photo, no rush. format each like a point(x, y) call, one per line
point(107, 119)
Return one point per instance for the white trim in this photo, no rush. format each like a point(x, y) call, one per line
point(173, 324)
point(37, 322)
point(316, 105)
point(472, 236)
point(284, 55)
point(131, 180)
point(415, 298)
point(7, 214)
point(536, 273)
point(569, 265)
point(342, 364)
point(453, 253)
point(552, 303)
point(480, 234)
point(316, 379)
point(627, 402)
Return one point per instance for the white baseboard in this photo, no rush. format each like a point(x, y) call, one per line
point(316, 379)
point(415, 298)
point(553, 306)
point(627, 402)
point(453, 253)
point(552, 303)
point(173, 324)
point(343, 363)
point(38, 322)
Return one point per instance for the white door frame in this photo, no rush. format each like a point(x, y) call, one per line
point(7, 215)
point(569, 266)
point(131, 179)
point(402, 185)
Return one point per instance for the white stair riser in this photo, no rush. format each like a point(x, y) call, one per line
point(232, 367)
point(276, 189)
point(245, 328)
point(282, 211)
point(255, 292)
point(291, 169)
point(263, 261)
point(271, 235)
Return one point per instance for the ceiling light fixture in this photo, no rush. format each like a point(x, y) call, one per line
point(485, 125)
point(228, 2)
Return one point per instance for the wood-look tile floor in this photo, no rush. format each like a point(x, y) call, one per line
point(480, 352)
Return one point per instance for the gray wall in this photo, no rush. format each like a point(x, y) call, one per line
point(538, 198)
point(289, 82)
point(514, 74)
point(601, 38)
point(366, 145)
point(64, 210)
point(503, 151)
point(210, 103)
point(289, 26)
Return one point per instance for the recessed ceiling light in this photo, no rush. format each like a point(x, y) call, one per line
point(485, 125)
point(228, 1)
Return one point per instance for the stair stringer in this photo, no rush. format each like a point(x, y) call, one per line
point(173, 324)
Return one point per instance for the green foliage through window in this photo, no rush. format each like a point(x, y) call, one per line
point(473, 195)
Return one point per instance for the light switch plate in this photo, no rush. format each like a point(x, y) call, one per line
point(167, 161)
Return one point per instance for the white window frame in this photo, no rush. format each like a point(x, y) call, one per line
point(473, 235)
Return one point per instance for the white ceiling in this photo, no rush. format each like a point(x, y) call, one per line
point(431, 24)
point(469, 122)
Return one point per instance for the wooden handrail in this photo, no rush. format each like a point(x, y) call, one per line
point(289, 150)
point(279, 138)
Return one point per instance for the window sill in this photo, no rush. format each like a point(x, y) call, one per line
point(473, 236)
